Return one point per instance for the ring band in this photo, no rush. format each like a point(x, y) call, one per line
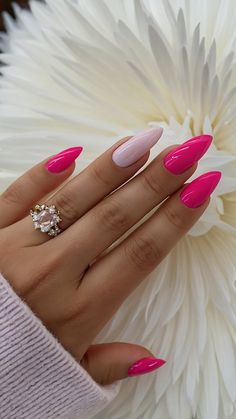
point(46, 218)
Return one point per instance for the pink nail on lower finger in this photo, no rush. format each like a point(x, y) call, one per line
point(196, 193)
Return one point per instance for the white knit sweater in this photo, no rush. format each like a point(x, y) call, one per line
point(39, 379)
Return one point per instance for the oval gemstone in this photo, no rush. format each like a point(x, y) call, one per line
point(46, 220)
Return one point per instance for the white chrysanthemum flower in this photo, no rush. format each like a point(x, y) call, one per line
point(86, 72)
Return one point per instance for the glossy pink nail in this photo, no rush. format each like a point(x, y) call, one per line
point(145, 365)
point(63, 160)
point(188, 153)
point(196, 192)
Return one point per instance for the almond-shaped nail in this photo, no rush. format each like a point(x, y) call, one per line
point(145, 365)
point(63, 160)
point(196, 192)
point(134, 148)
point(187, 154)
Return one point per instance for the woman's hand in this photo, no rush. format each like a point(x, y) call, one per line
point(68, 281)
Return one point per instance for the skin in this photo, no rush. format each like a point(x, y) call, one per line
point(71, 282)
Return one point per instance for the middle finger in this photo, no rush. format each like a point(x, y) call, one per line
point(117, 213)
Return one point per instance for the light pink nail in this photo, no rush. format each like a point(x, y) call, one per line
point(63, 160)
point(134, 148)
point(145, 365)
point(196, 192)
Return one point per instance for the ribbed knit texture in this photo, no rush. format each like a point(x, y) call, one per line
point(39, 379)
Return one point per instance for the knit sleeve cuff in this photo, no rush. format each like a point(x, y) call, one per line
point(38, 377)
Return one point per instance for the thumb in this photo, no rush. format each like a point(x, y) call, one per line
point(108, 362)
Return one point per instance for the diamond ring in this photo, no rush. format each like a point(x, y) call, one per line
point(46, 217)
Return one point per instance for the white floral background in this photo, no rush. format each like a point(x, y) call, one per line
point(87, 72)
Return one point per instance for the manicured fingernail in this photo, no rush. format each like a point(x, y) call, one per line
point(188, 153)
point(196, 192)
point(145, 365)
point(63, 160)
point(134, 148)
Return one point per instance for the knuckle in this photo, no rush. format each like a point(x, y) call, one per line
point(32, 176)
point(76, 316)
point(153, 183)
point(174, 218)
point(112, 215)
point(143, 252)
point(13, 194)
point(67, 207)
point(98, 174)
